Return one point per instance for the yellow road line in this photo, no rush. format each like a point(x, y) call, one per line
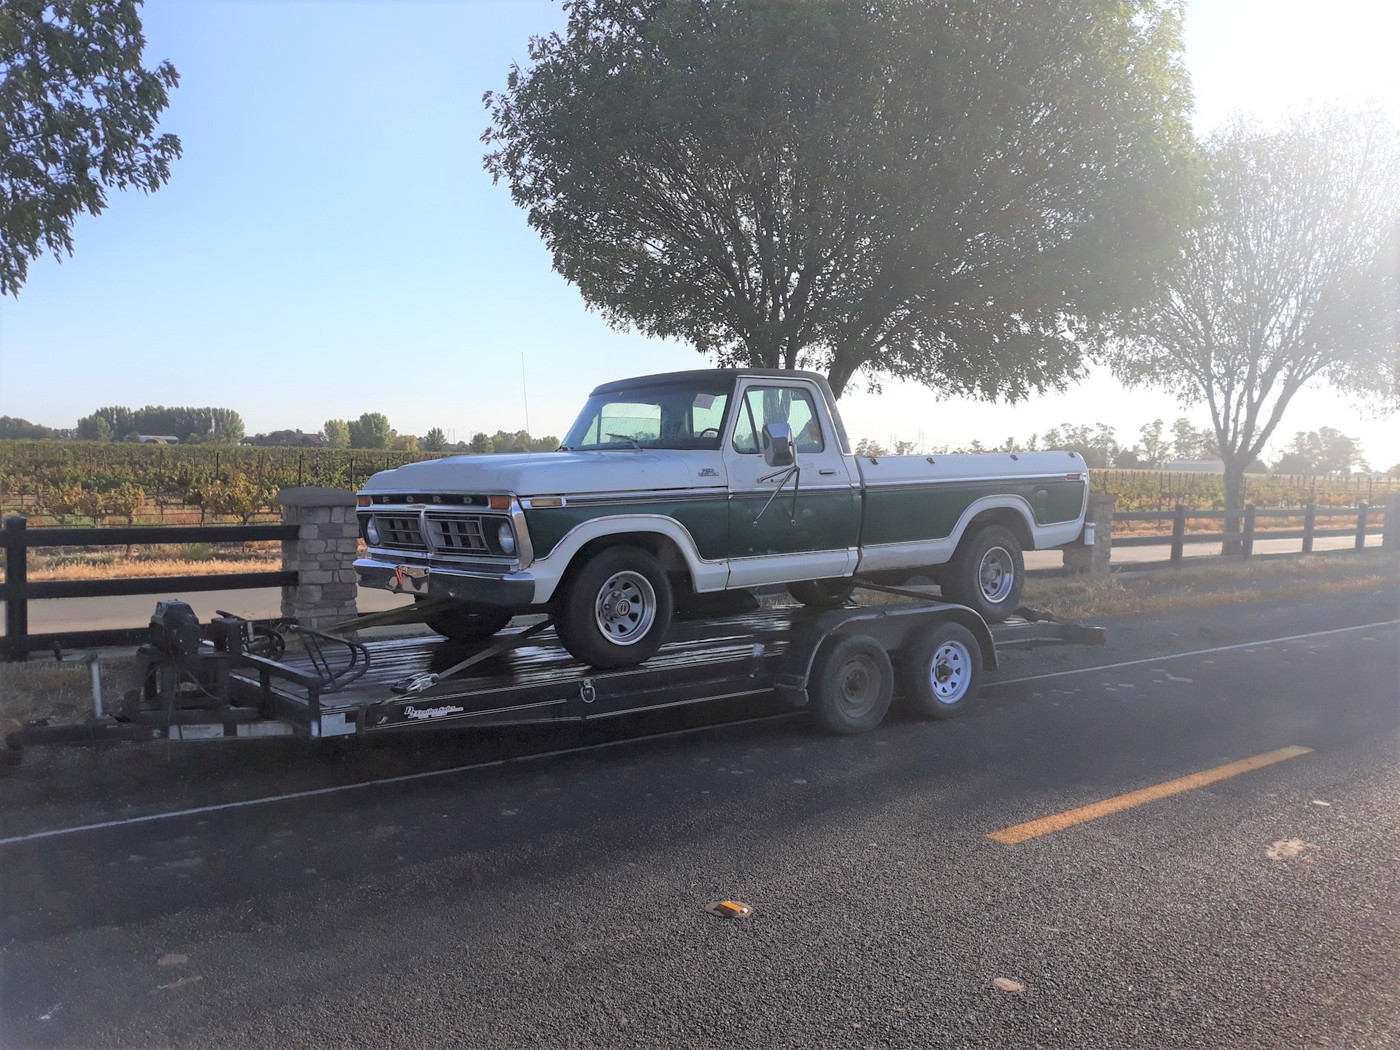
point(1069, 818)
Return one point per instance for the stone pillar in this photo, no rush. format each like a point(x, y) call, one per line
point(1093, 560)
point(323, 555)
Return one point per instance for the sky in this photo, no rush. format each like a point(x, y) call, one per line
point(329, 244)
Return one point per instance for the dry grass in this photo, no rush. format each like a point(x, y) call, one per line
point(60, 692)
point(1213, 583)
point(191, 559)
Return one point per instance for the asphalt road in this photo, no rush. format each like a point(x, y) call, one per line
point(499, 900)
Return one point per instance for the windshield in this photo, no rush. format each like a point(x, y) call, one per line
point(671, 415)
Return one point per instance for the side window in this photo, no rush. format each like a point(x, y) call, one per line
point(771, 404)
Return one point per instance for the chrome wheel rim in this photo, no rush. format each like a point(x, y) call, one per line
point(951, 672)
point(996, 574)
point(625, 608)
point(858, 685)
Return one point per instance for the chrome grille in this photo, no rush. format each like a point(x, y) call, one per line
point(400, 530)
point(457, 534)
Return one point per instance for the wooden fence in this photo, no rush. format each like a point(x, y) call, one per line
point(1240, 529)
point(17, 591)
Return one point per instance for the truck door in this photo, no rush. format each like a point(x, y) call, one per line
point(784, 524)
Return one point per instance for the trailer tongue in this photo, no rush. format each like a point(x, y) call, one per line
point(232, 678)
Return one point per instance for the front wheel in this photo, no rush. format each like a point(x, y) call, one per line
point(942, 671)
point(616, 609)
point(987, 573)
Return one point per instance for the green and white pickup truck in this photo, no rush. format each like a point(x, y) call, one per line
point(697, 482)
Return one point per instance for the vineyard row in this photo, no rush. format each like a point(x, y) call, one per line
point(71, 482)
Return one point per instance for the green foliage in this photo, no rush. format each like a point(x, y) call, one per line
point(78, 115)
point(95, 428)
point(1163, 489)
point(481, 443)
point(1322, 451)
point(1289, 274)
point(13, 429)
point(434, 440)
point(206, 426)
point(517, 441)
point(959, 194)
point(371, 430)
point(336, 433)
point(240, 497)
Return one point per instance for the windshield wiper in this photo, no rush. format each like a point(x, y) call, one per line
point(626, 437)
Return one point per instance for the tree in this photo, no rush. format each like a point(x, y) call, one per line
point(1188, 442)
point(15, 429)
point(1155, 449)
point(1286, 277)
point(371, 430)
point(336, 432)
point(1322, 451)
point(404, 443)
point(95, 428)
point(78, 115)
point(958, 194)
point(481, 443)
point(434, 440)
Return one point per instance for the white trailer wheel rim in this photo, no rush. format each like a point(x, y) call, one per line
point(625, 608)
point(950, 672)
point(996, 574)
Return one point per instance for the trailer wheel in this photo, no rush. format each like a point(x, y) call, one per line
point(942, 671)
point(987, 573)
point(616, 609)
point(469, 623)
point(851, 685)
point(821, 594)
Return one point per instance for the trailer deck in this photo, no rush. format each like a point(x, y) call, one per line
point(231, 679)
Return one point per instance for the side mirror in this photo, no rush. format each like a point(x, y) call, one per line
point(778, 449)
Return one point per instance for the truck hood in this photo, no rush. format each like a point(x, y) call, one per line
point(555, 473)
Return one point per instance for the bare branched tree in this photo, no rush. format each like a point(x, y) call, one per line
point(1288, 277)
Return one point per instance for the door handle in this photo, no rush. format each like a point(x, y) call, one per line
point(826, 471)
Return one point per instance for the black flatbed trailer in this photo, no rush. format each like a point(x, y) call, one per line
point(224, 680)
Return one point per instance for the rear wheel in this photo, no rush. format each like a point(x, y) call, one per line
point(468, 623)
point(986, 573)
point(821, 594)
point(851, 685)
point(942, 671)
point(616, 609)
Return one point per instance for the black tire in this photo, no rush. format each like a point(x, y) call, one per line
point(941, 671)
point(987, 573)
point(821, 594)
point(851, 685)
point(615, 610)
point(468, 623)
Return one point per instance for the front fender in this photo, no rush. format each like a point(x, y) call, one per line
point(548, 571)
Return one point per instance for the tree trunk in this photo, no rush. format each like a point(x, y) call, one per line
point(1234, 505)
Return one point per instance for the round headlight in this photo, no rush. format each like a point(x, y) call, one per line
point(372, 532)
point(505, 536)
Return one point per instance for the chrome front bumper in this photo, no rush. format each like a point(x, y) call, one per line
point(513, 590)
